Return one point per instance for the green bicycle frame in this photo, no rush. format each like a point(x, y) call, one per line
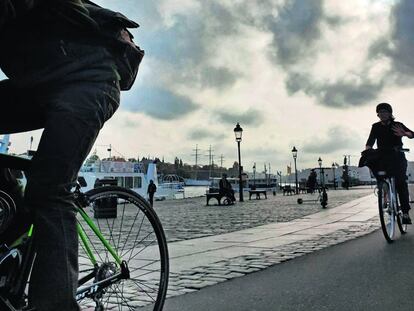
point(83, 238)
point(98, 233)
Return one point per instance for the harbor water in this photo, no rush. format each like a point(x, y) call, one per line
point(194, 191)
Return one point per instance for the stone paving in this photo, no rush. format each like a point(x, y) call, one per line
point(202, 262)
point(212, 244)
point(259, 250)
point(191, 218)
point(196, 278)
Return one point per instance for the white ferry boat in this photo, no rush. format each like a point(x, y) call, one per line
point(130, 175)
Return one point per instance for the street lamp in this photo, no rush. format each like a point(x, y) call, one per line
point(320, 170)
point(295, 155)
point(238, 133)
point(334, 178)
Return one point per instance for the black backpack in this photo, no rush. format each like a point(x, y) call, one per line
point(113, 33)
point(379, 160)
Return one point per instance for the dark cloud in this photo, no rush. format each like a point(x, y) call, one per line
point(398, 46)
point(198, 134)
point(189, 44)
point(338, 94)
point(220, 78)
point(337, 138)
point(335, 21)
point(250, 117)
point(160, 104)
point(342, 94)
point(295, 30)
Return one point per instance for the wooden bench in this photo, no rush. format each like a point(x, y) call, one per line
point(222, 199)
point(257, 193)
point(288, 190)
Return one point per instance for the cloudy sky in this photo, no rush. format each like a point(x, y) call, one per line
point(304, 73)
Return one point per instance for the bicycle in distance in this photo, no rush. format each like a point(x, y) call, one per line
point(322, 197)
point(390, 212)
point(123, 254)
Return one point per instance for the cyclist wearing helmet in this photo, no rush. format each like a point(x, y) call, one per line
point(388, 135)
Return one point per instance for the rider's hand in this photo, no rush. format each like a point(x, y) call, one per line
point(399, 130)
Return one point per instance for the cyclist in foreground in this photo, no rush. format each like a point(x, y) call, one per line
point(388, 135)
point(62, 80)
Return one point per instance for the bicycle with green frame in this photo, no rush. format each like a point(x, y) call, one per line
point(123, 260)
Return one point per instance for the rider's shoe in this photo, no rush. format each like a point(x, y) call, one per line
point(406, 220)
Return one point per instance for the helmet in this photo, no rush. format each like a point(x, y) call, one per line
point(384, 106)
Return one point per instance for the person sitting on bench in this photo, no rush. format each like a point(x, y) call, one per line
point(225, 188)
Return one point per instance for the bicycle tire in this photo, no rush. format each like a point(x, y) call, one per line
point(402, 227)
point(146, 256)
point(386, 212)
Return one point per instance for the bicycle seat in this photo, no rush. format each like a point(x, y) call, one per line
point(13, 162)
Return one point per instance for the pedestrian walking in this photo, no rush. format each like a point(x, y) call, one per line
point(152, 188)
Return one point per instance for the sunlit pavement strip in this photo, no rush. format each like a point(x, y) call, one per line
point(202, 262)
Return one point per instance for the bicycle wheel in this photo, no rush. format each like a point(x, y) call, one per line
point(403, 227)
point(135, 233)
point(386, 211)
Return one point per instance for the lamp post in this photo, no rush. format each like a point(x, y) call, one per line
point(238, 133)
point(295, 155)
point(320, 170)
point(334, 178)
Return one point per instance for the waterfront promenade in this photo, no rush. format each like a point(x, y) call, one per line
point(190, 218)
point(254, 235)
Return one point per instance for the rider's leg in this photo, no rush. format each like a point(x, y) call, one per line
point(401, 184)
point(74, 117)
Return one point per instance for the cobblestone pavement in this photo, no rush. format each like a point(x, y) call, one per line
point(199, 277)
point(196, 278)
point(190, 218)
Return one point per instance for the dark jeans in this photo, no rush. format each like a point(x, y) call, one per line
point(401, 183)
point(151, 198)
point(72, 108)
